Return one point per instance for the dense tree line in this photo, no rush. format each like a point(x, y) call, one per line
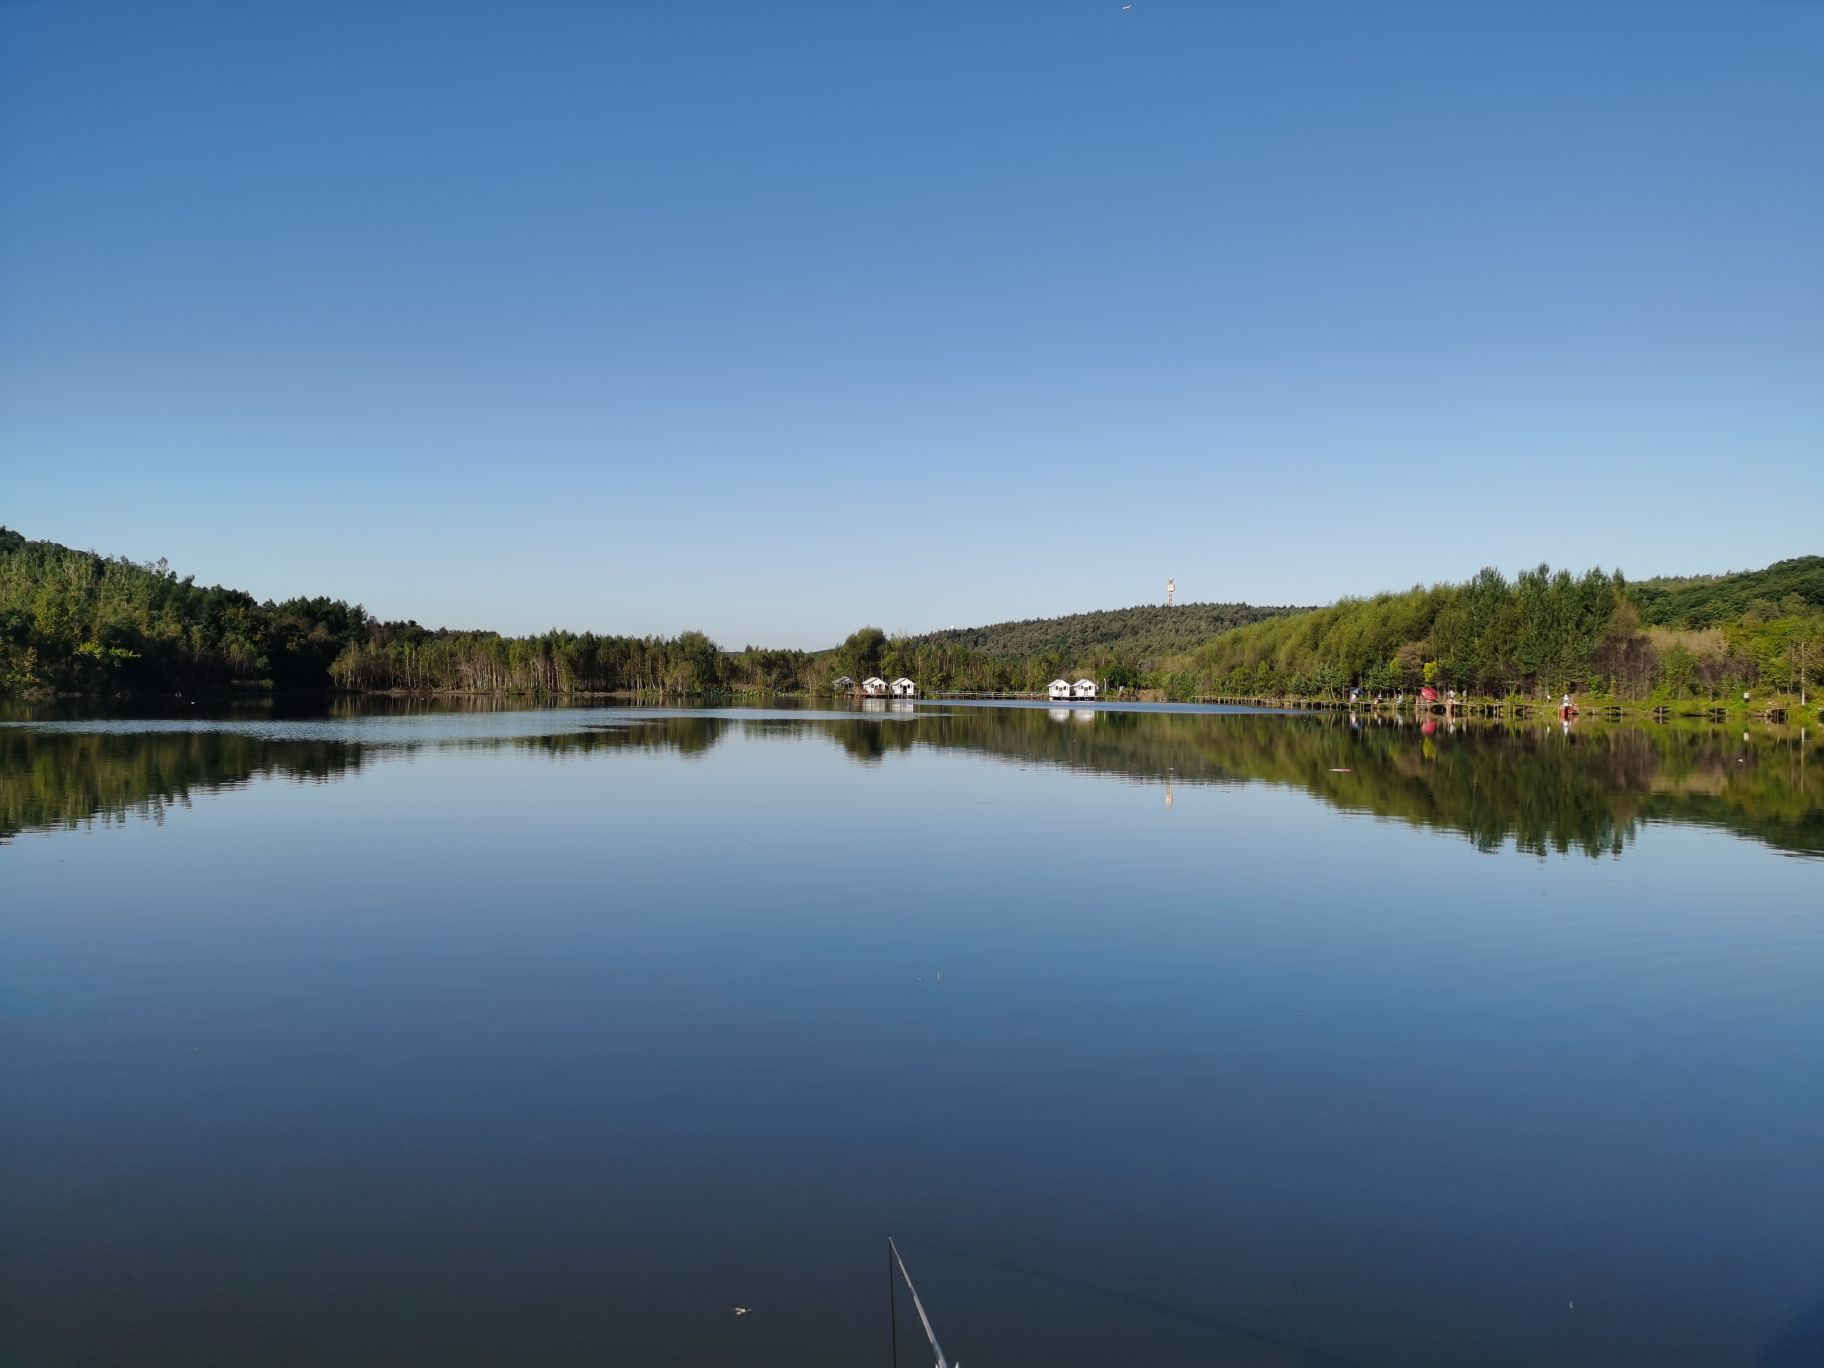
point(1713, 600)
point(1540, 634)
point(75, 622)
point(944, 662)
point(557, 662)
point(1142, 634)
point(78, 623)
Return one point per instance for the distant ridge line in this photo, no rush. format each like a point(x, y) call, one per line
point(1141, 633)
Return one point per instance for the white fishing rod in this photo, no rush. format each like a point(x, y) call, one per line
point(917, 1305)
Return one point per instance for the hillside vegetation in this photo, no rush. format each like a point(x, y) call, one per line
point(1541, 633)
point(74, 622)
point(1709, 600)
point(1141, 635)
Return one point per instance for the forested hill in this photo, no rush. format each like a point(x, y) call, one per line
point(77, 622)
point(1708, 600)
point(73, 622)
point(1541, 633)
point(1142, 634)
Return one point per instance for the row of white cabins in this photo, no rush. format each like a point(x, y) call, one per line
point(877, 687)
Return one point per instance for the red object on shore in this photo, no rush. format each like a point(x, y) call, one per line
point(1429, 694)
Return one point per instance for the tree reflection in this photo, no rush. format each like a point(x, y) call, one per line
point(1541, 788)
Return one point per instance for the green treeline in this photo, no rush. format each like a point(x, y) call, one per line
point(1715, 600)
point(944, 662)
point(1538, 635)
point(75, 622)
point(1139, 635)
point(413, 658)
point(72, 622)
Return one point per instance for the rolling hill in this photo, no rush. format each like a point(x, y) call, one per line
point(1696, 601)
point(1143, 634)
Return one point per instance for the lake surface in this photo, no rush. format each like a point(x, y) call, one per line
point(466, 1036)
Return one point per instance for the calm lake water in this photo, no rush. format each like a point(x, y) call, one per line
point(483, 1037)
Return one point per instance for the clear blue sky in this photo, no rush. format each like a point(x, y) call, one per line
point(773, 319)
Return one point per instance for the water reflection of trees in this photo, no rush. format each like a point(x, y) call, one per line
point(60, 779)
point(1589, 791)
point(688, 735)
point(1539, 787)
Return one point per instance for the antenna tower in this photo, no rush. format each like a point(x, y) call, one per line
point(1171, 590)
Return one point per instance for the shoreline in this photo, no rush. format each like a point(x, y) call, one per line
point(1776, 710)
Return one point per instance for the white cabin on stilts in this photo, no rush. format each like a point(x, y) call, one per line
point(904, 688)
point(1083, 688)
point(874, 686)
point(1060, 688)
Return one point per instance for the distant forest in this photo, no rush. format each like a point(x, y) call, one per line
point(1143, 635)
point(1541, 633)
point(73, 622)
point(78, 623)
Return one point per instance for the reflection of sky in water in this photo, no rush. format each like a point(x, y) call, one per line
point(552, 1051)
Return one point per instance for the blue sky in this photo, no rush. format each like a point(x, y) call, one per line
point(773, 319)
